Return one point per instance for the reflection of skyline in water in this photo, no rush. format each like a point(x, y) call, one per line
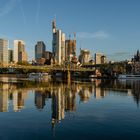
point(63, 97)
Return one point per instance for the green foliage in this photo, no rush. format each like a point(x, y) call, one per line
point(25, 63)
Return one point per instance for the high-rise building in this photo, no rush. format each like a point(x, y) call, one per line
point(70, 49)
point(20, 54)
point(84, 56)
point(58, 45)
point(100, 58)
point(40, 49)
point(4, 51)
point(10, 55)
point(48, 57)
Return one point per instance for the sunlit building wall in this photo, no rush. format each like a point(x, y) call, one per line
point(100, 58)
point(58, 45)
point(84, 56)
point(4, 51)
point(20, 54)
point(70, 49)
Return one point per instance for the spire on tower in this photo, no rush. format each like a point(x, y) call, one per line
point(54, 25)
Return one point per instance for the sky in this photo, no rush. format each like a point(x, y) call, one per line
point(111, 27)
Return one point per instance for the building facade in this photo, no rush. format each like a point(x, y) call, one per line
point(20, 54)
point(10, 55)
point(4, 51)
point(70, 49)
point(100, 58)
point(136, 63)
point(48, 57)
point(40, 49)
point(84, 56)
point(58, 45)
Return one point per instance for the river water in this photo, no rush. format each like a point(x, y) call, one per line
point(102, 109)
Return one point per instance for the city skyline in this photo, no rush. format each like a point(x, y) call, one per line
point(110, 27)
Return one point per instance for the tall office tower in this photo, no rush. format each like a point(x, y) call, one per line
point(40, 49)
point(10, 55)
point(4, 51)
point(20, 54)
point(58, 45)
point(70, 49)
point(84, 56)
point(98, 58)
point(48, 57)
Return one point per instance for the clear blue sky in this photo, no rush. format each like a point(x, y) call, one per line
point(108, 26)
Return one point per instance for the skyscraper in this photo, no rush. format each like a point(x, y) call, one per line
point(100, 58)
point(10, 55)
point(84, 56)
point(20, 54)
point(40, 49)
point(70, 49)
point(58, 45)
point(4, 51)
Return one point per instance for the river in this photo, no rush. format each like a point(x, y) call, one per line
point(103, 109)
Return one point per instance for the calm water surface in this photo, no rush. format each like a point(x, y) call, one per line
point(99, 110)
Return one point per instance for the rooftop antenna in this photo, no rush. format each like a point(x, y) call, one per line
point(54, 24)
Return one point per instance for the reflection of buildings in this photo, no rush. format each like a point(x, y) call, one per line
point(99, 93)
point(70, 100)
point(136, 91)
point(19, 98)
point(39, 99)
point(4, 98)
point(84, 94)
point(58, 105)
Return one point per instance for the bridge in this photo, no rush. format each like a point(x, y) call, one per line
point(28, 69)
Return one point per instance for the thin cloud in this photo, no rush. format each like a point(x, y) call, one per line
point(22, 11)
point(95, 35)
point(8, 7)
point(38, 12)
point(117, 56)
